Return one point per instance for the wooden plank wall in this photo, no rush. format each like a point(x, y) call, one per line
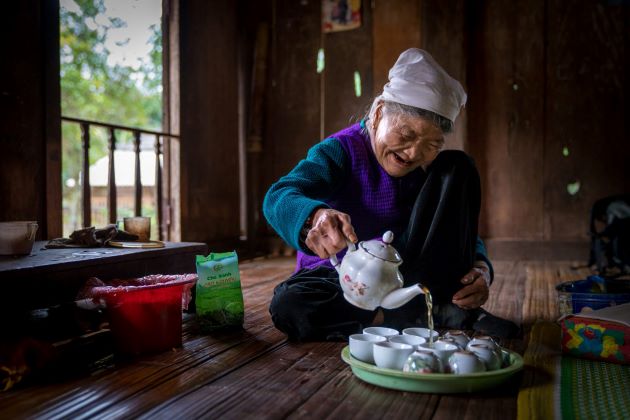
point(347, 52)
point(303, 106)
point(541, 75)
point(209, 123)
point(531, 70)
point(444, 27)
point(30, 134)
point(545, 75)
point(586, 109)
point(293, 119)
point(395, 27)
point(506, 116)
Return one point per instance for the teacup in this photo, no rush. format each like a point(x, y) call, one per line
point(441, 349)
point(459, 337)
point(452, 341)
point(483, 339)
point(391, 355)
point(421, 332)
point(412, 340)
point(423, 362)
point(140, 226)
point(463, 362)
point(361, 346)
point(381, 331)
point(490, 356)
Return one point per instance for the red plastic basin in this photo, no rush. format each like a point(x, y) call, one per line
point(146, 318)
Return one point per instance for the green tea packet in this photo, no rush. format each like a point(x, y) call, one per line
point(219, 298)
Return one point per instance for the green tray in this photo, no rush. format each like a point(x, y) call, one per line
point(436, 383)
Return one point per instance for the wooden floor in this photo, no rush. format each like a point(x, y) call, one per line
point(256, 373)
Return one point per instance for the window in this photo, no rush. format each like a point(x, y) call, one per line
point(111, 78)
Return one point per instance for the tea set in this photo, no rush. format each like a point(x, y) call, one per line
point(454, 352)
point(369, 278)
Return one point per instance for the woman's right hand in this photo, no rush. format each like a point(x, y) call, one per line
point(331, 229)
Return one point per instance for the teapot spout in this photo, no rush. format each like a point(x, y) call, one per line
point(399, 297)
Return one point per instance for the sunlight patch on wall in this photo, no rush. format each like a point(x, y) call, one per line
point(573, 187)
point(357, 84)
point(321, 60)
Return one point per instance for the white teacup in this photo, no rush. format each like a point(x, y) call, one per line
point(441, 349)
point(381, 331)
point(483, 339)
point(412, 340)
point(459, 337)
point(361, 346)
point(452, 341)
point(463, 362)
point(421, 332)
point(490, 356)
point(391, 355)
point(423, 361)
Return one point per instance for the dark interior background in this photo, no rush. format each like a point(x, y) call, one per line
point(541, 75)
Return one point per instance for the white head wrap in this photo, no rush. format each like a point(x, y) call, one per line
point(418, 80)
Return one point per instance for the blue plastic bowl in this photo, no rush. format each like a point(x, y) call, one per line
point(592, 293)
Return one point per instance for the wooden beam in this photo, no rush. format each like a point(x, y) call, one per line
point(158, 189)
point(86, 188)
point(137, 177)
point(111, 179)
point(52, 120)
point(171, 216)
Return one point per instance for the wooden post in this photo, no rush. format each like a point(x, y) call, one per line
point(111, 183)
point(138, 180)
point(158, 187)
point(49, 17)
point(86, 191)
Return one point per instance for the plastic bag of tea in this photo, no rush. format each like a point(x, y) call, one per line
point(219, 298)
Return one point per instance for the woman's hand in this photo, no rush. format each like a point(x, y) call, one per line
point(331, 229)
point(476, 291)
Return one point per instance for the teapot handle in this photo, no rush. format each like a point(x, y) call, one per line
point(351, 248)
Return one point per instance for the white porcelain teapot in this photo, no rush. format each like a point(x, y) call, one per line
point(369, 275)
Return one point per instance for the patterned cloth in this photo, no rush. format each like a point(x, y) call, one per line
point(596, 339)
point(565, 387)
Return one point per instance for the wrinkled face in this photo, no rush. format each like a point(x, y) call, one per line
point(403, 143)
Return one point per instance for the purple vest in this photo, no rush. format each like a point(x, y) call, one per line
point(375, 201)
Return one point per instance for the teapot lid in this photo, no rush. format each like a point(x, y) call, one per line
point(381, 248)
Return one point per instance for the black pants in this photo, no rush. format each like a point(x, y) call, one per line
point(438, 249)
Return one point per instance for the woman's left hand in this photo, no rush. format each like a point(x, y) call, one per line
point(476, 291)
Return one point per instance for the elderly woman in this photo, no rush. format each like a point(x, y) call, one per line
point(387, 172)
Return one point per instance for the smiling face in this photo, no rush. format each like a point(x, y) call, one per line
point(403, 143)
